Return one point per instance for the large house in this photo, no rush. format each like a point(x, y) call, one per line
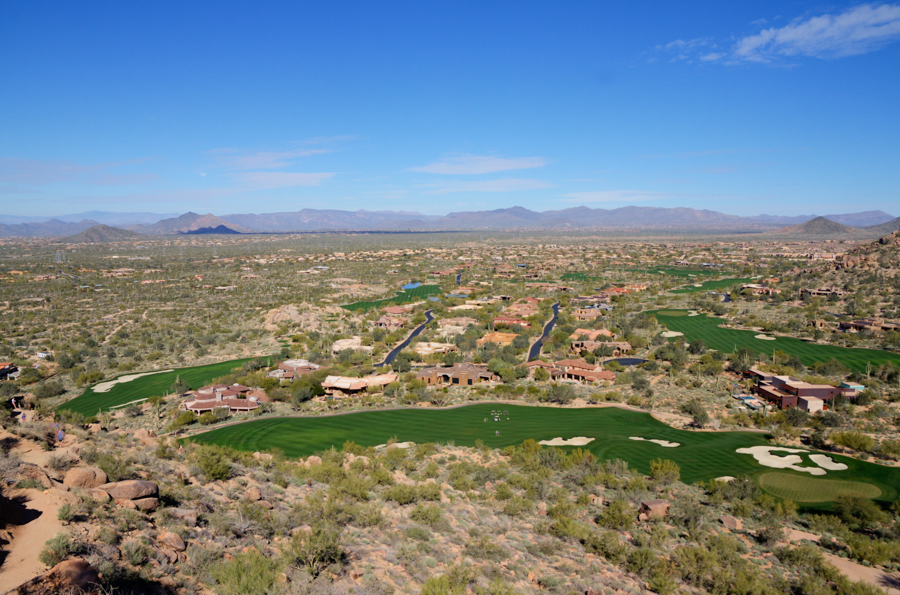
point(875, 325)
point(291, 369)
point(8, 370)
point(618, 347)
point(503, 339)
point(236, 398)
point(786, 391)
point(462, 374)
point(463, 321)
point(424, 348)
point(340, 386)
point(510, 321)
point(390, 322)
point(573, 369)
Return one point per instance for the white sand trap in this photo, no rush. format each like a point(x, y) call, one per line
point(693, 313)
point(576, 441)
point(763, 455)
point(403, 445)
point(725, 478)
point(105, 387)
point(764, 337)
point(826, 462)
point(663, 443)
point(698, 284)
point(670, 334)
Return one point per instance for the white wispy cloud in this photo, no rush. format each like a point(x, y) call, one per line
point(264, 180)
point(505, 185)
point(242, 161)
point(628, 196)
point(479, 164)
point(857, 30)
point(41, 172)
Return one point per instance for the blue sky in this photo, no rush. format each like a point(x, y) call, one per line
point(745, 108)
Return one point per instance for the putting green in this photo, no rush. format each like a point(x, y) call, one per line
point(727, 340)
point(808, 489)
point(701, 455)
point(90, 402)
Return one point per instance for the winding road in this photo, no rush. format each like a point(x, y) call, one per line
point(535, 351)
point(390, 356)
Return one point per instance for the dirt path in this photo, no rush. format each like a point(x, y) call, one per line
point(852, 570)
point(21, 563)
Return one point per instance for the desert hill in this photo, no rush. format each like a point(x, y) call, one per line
point(103, 233)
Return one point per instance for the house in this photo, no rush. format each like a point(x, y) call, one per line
point(583, 314)
point(757, 289)
point(874, 325)
point(580, 371)
point(291, 369)
point(390, 322)
point(236, 398)
point(592, 334)
point(824, 292)
point(785, 391)
point(510, 321)
point(7, 369)
point(342, 385)
point(424, 348)
point(464, 374)
point(503, 339)
point(618, 347)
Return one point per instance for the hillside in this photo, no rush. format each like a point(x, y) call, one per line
point(820, 227)
point(103, 233)
point(53, 227)
point(186, 223)
point(885, 228)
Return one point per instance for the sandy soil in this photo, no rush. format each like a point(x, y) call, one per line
point(663, 443)
point(764, 337)
point(559, 441)
point(22, 563)
point(670, 334)
point(765, 458)
point(105, 387)
point(852, 570)
point(826, 462)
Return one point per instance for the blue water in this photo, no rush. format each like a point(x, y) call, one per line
point(411, 285)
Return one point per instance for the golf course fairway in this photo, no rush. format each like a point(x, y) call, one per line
point(148, 384)
point(701, 455)
point(727, 340)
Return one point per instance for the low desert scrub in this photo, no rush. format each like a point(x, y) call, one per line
point(58, 549)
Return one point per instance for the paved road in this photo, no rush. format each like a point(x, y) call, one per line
point(390, 356)
point(535, 351)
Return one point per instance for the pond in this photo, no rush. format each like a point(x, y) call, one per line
point(412, 285)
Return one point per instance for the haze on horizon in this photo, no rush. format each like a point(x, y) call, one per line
point(164, 108)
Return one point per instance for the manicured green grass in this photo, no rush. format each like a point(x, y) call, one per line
point(407, 295)
point(812, 489)
point(90, 402)
point(714, 285)
point(727, 340)
point(685, 273)
point(701, 456)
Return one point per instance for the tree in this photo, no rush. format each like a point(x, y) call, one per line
point(697, 347)
point(795, 416)
point(316, 549)
point(560, 393)
point(179, 387)
point(541, 374)
point(451, 357)
point(697, 411)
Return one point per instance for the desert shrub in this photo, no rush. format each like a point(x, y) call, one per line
point(116, 468)
point(315, 550)
point(58, 549)
point(402, 494)
point(107, 534)
point(485, 549)
point(770, 533)
point(516, 506)
point(606, 544)
point(186, 418)
point(429, 491)
point(618, 515)
point(65, 513)
point(213, 462)
point(859, 512)
point(135, 552)
point(429, 515)
point(207, 418)
point(418, 533)
point(664, 471)
point(248, 573)
point(641, 561)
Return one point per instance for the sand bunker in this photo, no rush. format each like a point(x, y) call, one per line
point(403, 445)
point(693, 313)
point(670, 334)
point(826, 462)
point(725, 478)
point(763, 455)
point(576, 441)
point(663, 443)
point(105, 387)
point(764, 337)
point(698, 284)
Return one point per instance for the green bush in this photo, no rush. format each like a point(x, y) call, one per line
point(607, 545)
point(315, 550)
point(429, 515)
point(618, 515)
point(208, 418)
point(58, 549)
point(213, 462)
point(664, 471)
point(186, 418)
point(402, 494)
point(249, 573)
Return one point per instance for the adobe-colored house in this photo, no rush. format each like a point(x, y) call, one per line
point(499, 338)
point(464, 374)
point(786, 391)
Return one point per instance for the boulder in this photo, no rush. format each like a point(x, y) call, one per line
point(172, 541)
point(266, 504)
point(146, 504)
point(253, 495)
point(71, 576)
point(29, 471)
point(730, 522)
point(145, 437)
point(655, 509)
point(188, 516)
point(131, 489)
point(313, 460)
point(98, 495)
point(85, 477)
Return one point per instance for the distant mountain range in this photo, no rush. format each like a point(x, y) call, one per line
point(103, 233)
point(825, 228)
point(622, 219)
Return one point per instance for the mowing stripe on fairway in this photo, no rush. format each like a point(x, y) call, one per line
point(90, 402)
point(701, 455)
point(726, 340)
